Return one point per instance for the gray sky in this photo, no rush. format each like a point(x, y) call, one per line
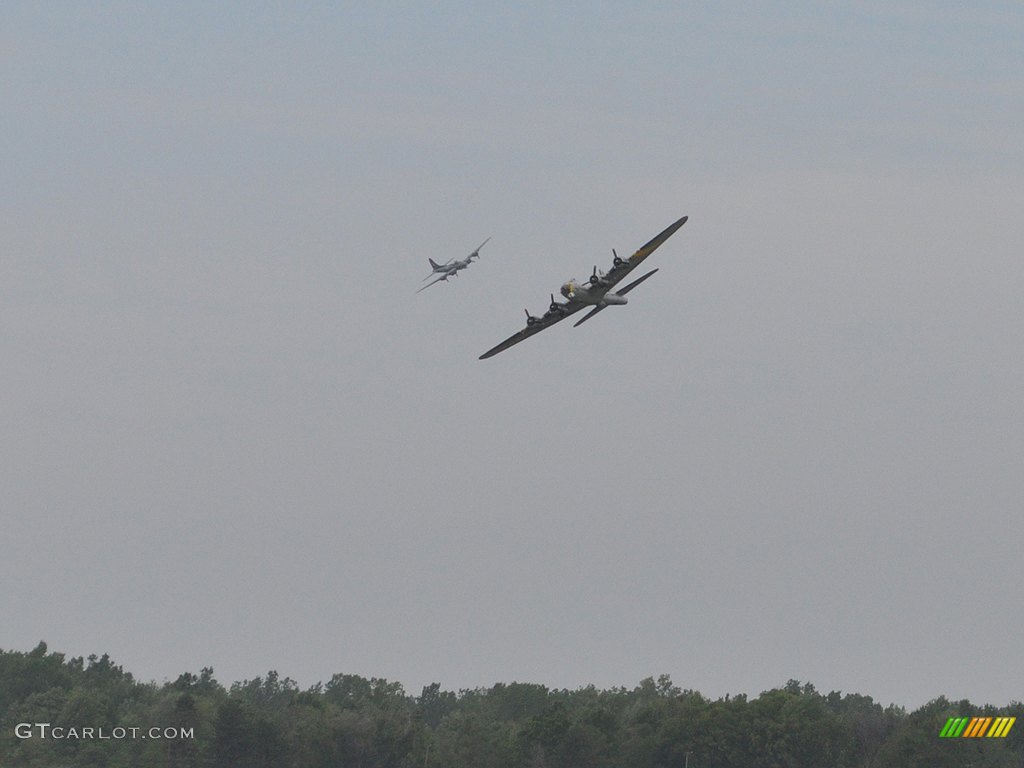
point(233, 435)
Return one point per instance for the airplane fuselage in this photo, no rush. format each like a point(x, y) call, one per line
point(450, 269)
point(455, 266)
point(596, 295)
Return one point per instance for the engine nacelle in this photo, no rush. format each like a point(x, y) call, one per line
point(597, 278)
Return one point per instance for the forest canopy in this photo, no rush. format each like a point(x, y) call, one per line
point(59, 711)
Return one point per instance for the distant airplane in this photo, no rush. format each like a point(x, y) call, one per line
point(451, 267)
point(595, 292)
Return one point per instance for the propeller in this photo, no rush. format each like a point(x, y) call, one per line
point(616, 260)
point(530, 319)
point(555, 308)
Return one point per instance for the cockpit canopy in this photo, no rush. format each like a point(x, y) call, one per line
point(570, 288)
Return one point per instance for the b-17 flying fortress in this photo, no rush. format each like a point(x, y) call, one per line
point(596, 292)
point(451, 267)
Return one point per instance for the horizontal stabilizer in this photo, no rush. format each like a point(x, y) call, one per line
point(587, 316)
point(635, 283)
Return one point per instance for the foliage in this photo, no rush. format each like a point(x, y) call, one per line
point(357, 722)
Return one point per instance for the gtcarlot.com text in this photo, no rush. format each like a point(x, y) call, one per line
point(101, 733)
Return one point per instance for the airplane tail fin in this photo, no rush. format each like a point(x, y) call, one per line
point(433, 263)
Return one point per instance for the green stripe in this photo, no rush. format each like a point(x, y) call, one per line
point(954, 727)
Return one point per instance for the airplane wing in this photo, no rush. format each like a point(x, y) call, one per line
point(438, 280)
point(619, 271)
point(477, 249)
point(536, 327)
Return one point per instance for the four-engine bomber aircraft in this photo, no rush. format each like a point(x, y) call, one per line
point(451, 267)
point(595, 292)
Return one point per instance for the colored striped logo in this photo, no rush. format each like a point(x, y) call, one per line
point(976, 727)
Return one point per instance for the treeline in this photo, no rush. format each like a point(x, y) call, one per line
point(355, 722)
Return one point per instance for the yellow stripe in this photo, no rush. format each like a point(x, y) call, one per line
point(1007, 725)
point(997, 725)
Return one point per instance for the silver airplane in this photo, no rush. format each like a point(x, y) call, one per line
point(596, 292)
point(451, 267)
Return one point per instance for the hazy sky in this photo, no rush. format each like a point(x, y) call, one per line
point(232, 434)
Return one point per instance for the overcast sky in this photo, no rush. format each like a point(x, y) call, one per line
point(232, 434)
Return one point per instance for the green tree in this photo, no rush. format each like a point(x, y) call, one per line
point(245, 739)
